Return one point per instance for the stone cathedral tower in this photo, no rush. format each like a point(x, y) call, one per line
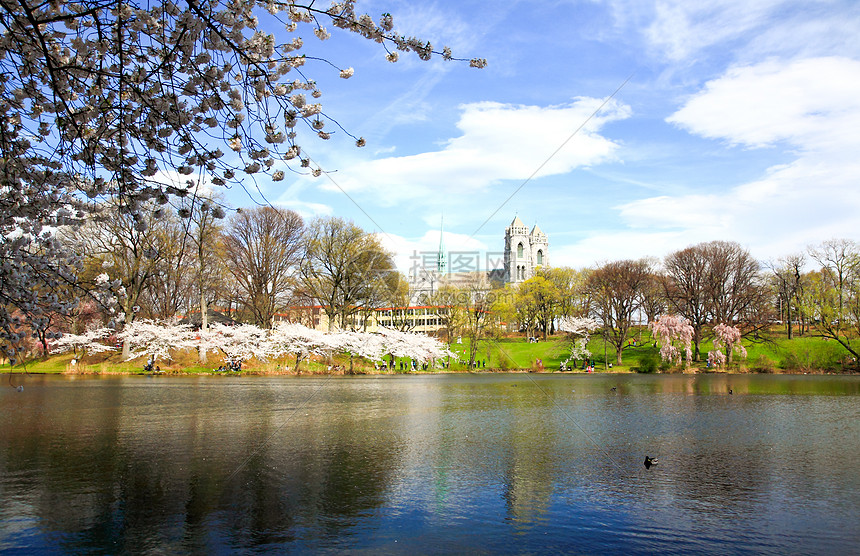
point(524, 251)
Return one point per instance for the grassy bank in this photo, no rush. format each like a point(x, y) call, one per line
point(776, 354)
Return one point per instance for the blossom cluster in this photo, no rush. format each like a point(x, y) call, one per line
point(158, 340)
point(90, 342)
point(579, 328)
point(727, 340)
point(672, 329)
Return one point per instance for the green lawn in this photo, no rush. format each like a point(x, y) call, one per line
point(517, 353)
point(774, 354)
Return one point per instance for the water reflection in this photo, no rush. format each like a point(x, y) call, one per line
point(515, 463)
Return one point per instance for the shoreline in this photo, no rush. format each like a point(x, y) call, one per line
point(262, 373)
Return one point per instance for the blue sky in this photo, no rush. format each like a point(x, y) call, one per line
point(740, 121)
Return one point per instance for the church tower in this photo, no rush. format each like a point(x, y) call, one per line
point(524, 251)
point(539, 247)
point(517, 252)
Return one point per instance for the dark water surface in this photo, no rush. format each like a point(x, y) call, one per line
point(431, 464)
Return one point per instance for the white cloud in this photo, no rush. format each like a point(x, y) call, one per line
point(416, 253)
point(812, 103)
point(689, 32)
point(618, 245)
point(813, 107)
point(305, 209)
point(681, 28)
point(816, 30)
point(440, 27)
point(497, 142)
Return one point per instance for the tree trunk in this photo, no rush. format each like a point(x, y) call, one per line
point(696, 340)
point(204, 324)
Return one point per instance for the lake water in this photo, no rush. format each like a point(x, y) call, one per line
point(431, 464)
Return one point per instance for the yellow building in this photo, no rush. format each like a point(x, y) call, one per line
point(424, 318)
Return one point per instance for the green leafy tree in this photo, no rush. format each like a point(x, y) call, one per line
point(537, 302)
point(573, 298)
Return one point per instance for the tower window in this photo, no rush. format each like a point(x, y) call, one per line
point(540, 257)
point(520, 250)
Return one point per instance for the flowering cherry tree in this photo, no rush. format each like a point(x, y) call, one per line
point(670, 331)
point(156, 339)
point(132, 99)
point(579, 329)
point(301, 341)
point(413, 345)
point(243, 342)
point(727, 341)
point(90, 342)
point(288, 338)
point(238, 343)
point(360, 344)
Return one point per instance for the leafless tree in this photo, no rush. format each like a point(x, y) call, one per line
point(715, 282)
point(788, 280)
point(172, 289)
point(344, 268)
point(475, 303)
point(653, 297)
point(262, 247)
point(125, 247)
point(734, 284)
point(685, 282)
point(616, 291)
point(448, 300)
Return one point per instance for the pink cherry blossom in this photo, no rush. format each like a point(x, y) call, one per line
point(671, 330)
point(727, 340)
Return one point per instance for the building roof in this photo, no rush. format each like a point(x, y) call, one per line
point(517, 223)
point(537, 231)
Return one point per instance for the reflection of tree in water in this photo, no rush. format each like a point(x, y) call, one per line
point(116, 471)
point(62, 464)
point(528, 484)
point(324, 488)
point(529, 453)
point(113, 464)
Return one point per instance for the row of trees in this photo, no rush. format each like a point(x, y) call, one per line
point(265, 260)
point(107, 110)
point(709, 284)
point(255, 264)
point(239, 343)
point(124, 103)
